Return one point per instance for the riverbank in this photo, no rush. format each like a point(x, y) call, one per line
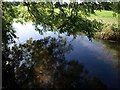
point(104, 16)
point(110, 30)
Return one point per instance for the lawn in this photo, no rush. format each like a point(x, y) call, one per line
point(104, 16)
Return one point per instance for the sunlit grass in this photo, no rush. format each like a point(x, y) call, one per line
point(104, 16)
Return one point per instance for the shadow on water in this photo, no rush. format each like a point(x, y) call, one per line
point(42, 64)
point(114, 48)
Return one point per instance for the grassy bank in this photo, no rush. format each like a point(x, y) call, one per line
point(109, 30)
point(106, 17)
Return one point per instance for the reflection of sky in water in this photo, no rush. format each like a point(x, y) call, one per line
point(98, 48)
point(26, 31)
point(98, 60)
point(93, 55)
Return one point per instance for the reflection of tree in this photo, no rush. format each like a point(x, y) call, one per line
point(42, 64)
point(115, 46)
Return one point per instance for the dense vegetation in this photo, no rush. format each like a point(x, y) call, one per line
point(70, 18)
point(110, 30)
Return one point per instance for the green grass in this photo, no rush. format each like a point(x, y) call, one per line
point(104, 16)
point(108, 32)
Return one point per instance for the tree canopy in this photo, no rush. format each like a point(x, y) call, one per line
point(70, 18)
point(61, 17)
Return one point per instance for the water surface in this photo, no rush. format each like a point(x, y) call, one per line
point(100, 58)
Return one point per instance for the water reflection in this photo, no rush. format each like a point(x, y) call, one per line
point(98, 60)
point(114, 48)
point(42, 64)
point(55, 62)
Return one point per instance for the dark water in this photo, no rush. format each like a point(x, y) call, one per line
point(100, 58)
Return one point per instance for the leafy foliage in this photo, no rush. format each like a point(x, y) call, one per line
point(9, 13)
point(61, 17)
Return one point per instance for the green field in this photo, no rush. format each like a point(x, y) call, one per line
point(104, 16)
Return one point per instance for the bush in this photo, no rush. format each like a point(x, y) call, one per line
point(109, 32)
